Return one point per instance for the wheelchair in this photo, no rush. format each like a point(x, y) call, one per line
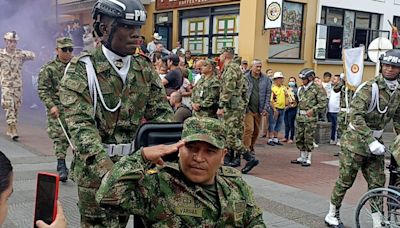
point(386, 201)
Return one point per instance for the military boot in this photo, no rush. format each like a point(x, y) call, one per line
point(307, 162)
point(14, 134)
point(62, 170)
point(332, 219)
point(300, 159)
point(251, 162)
point(236, 161)
point(228, 157)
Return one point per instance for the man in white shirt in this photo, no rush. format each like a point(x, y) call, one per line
point(333, 108)
point(151, 46)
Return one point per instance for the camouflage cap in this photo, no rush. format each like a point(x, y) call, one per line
point(211, 62)
point(64, 42)
point(11, 36)
point(228, 49)
point(204, 129)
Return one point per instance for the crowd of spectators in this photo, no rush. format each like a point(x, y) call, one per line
point(272, 108)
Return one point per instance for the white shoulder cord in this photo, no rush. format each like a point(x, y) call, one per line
point(94, 87)
point(346, 98)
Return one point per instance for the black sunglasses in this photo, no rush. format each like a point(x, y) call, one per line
point(65, 49)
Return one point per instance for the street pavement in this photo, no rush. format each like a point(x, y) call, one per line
point(290, 195)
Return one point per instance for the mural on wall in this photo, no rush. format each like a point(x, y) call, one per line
point(285, 42)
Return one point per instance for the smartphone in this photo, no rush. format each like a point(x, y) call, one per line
point(46, 197)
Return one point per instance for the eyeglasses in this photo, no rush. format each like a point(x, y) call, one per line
point(65, 49)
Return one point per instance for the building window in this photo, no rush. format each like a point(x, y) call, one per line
point(204, 32)
point(342, 28)
point(285, 42)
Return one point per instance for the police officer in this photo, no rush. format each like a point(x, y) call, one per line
point(106, 94)
point(311, 101)
point(374, 104)
point(49, 89)
point(195, 192)
point(232, 104)
point(11, 60)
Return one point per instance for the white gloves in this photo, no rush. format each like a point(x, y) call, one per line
point(377, 148)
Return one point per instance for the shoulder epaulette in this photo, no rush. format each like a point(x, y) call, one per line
point(75, 59)
point(229, 172)
point(143, 55)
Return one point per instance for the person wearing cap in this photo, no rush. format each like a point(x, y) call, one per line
point(155, 39)
point(105, 95)
point(49, 80)
point(232, 105)
point(11, 61)
point(195, 191)
point(375, 103)
point(244, 66)
point(279, 100)
point(205, 94)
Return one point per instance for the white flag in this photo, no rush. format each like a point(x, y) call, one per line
point(273, 14)
point(353, 59)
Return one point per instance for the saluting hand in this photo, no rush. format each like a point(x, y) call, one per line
point(154, 153)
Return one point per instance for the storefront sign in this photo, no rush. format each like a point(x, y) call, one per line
point(273, 14)
point(171, 4)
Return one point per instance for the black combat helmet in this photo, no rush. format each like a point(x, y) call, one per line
point(391, 57)
point(306, 73)
point(129, 12)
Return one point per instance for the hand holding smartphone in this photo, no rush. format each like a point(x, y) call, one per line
point(46, 197)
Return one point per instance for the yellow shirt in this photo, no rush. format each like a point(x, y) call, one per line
point(278, 96)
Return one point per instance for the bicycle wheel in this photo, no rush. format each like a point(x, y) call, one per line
point(390, 213)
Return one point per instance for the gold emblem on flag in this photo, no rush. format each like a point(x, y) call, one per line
point(355, 68)
point(274, 10)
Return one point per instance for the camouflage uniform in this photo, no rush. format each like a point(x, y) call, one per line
point(206, 94)
point(311, 98)
point(233, 99)
point(163, 197)
point(142, 96)
point(343, 116)
point(50, 76)
point(11, 81)
point(355, 153)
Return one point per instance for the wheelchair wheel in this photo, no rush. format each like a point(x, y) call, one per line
point(368, 203)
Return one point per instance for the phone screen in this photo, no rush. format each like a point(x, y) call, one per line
point(46, 196)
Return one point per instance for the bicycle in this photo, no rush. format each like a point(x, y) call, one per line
point(389, 211)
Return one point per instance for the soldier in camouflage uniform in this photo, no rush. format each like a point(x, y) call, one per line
point(374, 104)
point(205, 95)
point(195, 192)
point(11, 60)
point(311, 101)
point(106, 94)
point(346, 95)
point(232, 104)
point(49, 90)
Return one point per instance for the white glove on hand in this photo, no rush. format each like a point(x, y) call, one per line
point(377, 148)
